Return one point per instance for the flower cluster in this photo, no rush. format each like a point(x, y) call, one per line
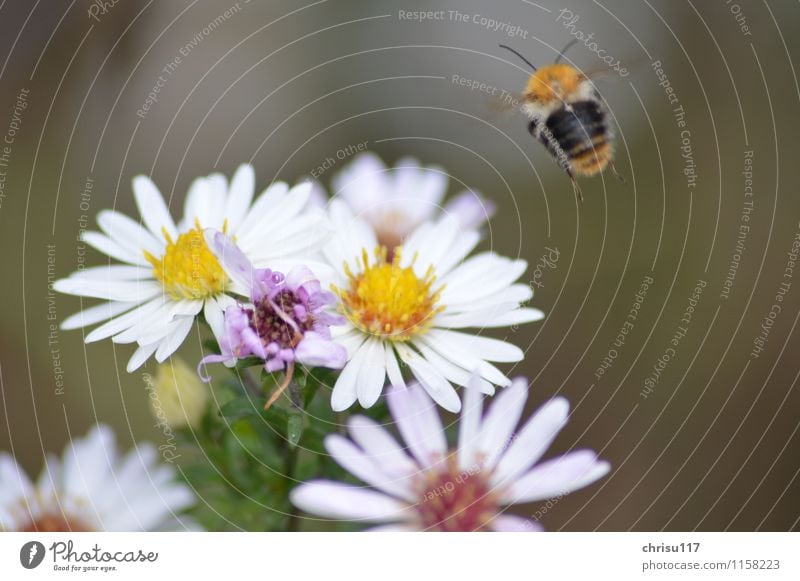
point(376, 292)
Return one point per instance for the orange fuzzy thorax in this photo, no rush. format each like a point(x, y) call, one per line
point(553, 83)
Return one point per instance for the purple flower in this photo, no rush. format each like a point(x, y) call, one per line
point(286, 322)
point(422, 484)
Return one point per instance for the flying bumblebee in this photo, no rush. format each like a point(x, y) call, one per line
point(569, 118)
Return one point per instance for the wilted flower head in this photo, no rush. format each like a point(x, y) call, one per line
point(286, 321)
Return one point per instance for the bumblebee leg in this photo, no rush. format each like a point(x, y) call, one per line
point(575, 187)
point(616, 174)
point(532, 129)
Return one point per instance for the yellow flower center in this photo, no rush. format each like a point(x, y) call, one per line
point(387, 299)
point(188, 269)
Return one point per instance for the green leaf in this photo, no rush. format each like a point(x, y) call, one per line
point(239, 408)
point(295, 426)
point(309, 391)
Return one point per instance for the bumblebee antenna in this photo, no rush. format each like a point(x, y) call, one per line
point(565, 49)
point(526, 61)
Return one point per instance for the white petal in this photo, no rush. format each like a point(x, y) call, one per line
point(135, 291)
point(434, 382)
point(123, 322)
point(533, 440)
point(466, 243)
point(110, 248)
point(501, 419)
point(185, 308)
point(148, 327)
point(284, 210)
point(372, 374)
point(425, 249)
point(362, 183)
point(470, 425)
point(381, 447)
point(482, 278)
point(351, 339)
point(341, 501)
point(240, 196)
point(483, 347)
point(141, 355)
point(419, 424)
point(114, 272)
point(95, 314)
point(86, 462)
point(362, 466)
point(463, 359)
point(14, 483)
point(344, 391)
point(175, 338)
point(152, 208)
point(515, 317)
point(557, 477)
point(471, 209)
point(352, 236)
point(269, 198)
point(485, 317)
point(451, 371)
point(128, 234)
point(218, 184)
point(198, 205)
point(393, 368)
point(516, 293)
point(301, 237)
point(214, 312)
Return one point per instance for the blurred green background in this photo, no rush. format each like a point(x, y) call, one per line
point(285, 85)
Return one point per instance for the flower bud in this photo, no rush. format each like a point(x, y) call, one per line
point(177, 396)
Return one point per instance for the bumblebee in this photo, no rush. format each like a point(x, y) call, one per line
point(568, 116)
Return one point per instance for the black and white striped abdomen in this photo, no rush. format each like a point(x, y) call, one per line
point(578, 135)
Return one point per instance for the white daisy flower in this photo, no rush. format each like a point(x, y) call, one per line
point(438, 489)
point(92, 488)
point(395, 201)
point(406, 304)
point(169, 275)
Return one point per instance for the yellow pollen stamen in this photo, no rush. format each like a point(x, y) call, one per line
point(387, 299)
point(188, 269)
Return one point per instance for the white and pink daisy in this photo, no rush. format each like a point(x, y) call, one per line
point(409, 304)
point(168, 275)
point(92, 488)
point(286, 321)
point(396, 201)
point(424, 485)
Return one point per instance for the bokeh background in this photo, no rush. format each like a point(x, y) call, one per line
point(285, 85)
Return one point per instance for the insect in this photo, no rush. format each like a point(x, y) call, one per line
point(569, 117)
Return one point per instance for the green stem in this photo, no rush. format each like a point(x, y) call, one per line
point(290, 465)
point(291, 453)
point(251, 385)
